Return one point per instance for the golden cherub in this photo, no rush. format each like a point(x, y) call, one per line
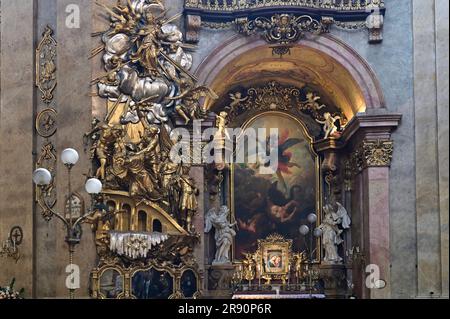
point(311, 103)
point(190, 108)
point(237, 99)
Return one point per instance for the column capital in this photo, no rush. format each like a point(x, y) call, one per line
point(370, 153)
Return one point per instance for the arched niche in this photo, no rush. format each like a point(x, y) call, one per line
point(352, 165)
point(142, 221)
point(325, 64)
point(157, 226)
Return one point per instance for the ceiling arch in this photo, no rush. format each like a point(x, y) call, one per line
point(323, 63)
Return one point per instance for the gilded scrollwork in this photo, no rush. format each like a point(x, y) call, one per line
point(276, 97)
point(281, 30)
point(347, 15)
point(46, 65)
point(46, 120)
point(47, 159)
point(373, 154)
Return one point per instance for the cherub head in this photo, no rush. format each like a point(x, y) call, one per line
point(223, 114)
point(153, 130)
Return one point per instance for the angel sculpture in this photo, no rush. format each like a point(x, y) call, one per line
point(341, 216)
point(224, 232)
point(189, 108)
point(330, 237)
point(236, 100)
point(331, 233)
point(311, 103)
point(329, 124)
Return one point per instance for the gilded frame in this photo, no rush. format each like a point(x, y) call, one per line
point(170, 271)
point(281, 247)
point(127, 274)
point(96, 276)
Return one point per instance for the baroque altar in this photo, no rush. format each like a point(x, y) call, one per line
point(168, 225)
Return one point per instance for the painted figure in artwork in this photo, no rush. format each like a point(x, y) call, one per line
point(280, 201)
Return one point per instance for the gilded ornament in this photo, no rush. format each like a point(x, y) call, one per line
point(46, 65)
point(46, 124)
point(373, 154)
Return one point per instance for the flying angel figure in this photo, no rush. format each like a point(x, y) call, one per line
point(189, 107)
point(285, 162)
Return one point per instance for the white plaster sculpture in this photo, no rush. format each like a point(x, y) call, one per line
point(329, 126)
point(224, 233)
point(341, 216)
point(331, 233)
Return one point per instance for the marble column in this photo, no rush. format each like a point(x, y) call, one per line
point(442, 89)
point(430, 20)
point(370, 137)
point(16, 143)
point(376, 226)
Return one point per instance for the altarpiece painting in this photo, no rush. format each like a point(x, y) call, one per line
point(279, 202)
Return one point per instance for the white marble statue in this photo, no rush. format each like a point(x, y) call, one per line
point(329, 124)
point(331, 233)
point(224, 232)
point(341, 216)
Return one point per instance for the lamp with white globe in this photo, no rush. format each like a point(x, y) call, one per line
point(312, 232)
point(304, 230)
point(69, 157)
point(312, 218)
point(93, 186)
point(43, 179)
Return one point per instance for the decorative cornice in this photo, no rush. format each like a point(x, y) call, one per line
point(347, 15)
point(230, 6)
point(371, 126)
